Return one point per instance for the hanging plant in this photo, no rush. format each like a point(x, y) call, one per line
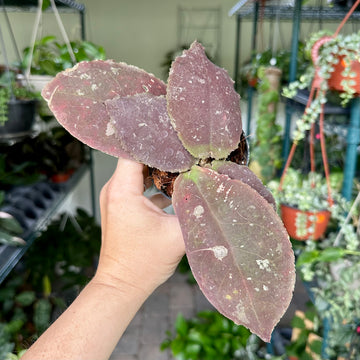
point(334, 266)
point(190, 127)
point(304, 204)
point(267, 149)
point(335, 66)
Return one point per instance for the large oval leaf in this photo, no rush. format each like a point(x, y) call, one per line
point(243, 173)
point(203, 105)
point(76, 97)
point(142, 124)
point(237, 247)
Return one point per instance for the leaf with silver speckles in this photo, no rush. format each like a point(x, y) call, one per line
point(76, 97)
point(203, 105)
point(143, 126)
point(237, 247)
point(243, 173)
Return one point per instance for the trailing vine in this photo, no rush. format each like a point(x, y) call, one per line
point(267, 150)
point(3, 106)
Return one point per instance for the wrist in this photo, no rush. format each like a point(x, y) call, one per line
point(121, 278)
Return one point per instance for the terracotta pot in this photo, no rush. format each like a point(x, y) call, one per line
point(62, 177)
point(336, 77)
point(304, 225)
point(252, 81)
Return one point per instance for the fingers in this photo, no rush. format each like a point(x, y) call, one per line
point(128, 176)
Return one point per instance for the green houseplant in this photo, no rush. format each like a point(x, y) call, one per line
point(306, 340)
point(17, 105)
point(304, 203)
point(332, 268)
point(47, 57)
point(210, 335)
point(335, 66)
point(53, 272)
point(50, 56)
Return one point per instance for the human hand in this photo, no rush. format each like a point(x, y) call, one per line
point(141, 245)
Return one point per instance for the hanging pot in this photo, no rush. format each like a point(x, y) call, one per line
point(38, 82)
point(21, 117)
point(337, 77)
point(304, 225)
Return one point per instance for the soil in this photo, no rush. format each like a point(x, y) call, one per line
point(164, 181)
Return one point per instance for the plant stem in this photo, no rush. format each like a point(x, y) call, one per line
point(351, 252)
point(348, 217)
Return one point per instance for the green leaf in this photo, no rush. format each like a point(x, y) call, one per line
point(8, 239)
point(42, 314)
point(192, 351)
point(178, 346)
point(6, 293)
point(14, 326)
point(25, 298)
point(331, 254)
point(298, 323)
point(316, 346)
point(9, 224)
point(222, 345)
point(307, 257)
point(181, 325)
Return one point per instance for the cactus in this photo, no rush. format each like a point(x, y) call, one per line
point(237, 247)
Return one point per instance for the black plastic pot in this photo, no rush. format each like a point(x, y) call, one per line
point(21, 117)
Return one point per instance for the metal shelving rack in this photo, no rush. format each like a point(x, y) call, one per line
point(295, 12)
point(10, 255)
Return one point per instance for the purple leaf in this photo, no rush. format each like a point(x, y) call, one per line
point(237, 247)
point(142, 124)
point(243, 173)
point(203, 105)
point(76, 97)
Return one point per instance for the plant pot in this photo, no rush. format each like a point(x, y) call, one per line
point(21, 117)
point(38, 82)
point(337, 77)
point(304, 225)
point(62, 176)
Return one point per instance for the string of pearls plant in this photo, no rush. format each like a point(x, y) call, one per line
point(344, 47)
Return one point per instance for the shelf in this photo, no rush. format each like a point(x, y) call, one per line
point(41, 213)
point(31, 5)
point(286, 12)
point(301, 98)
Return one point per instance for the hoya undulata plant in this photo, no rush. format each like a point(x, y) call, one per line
point(237, 247)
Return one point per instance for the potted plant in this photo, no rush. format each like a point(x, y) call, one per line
point(335, 66)
point(17, 106)
point(49, 57)
point(306, 340)
point(304, 204)
point(209, 335)
point(189, 128)
point(332, 270)
point(61, 153)
point(42, 61)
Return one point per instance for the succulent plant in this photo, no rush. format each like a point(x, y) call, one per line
point(236, 244)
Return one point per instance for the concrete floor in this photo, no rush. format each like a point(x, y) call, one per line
point(142, 339)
